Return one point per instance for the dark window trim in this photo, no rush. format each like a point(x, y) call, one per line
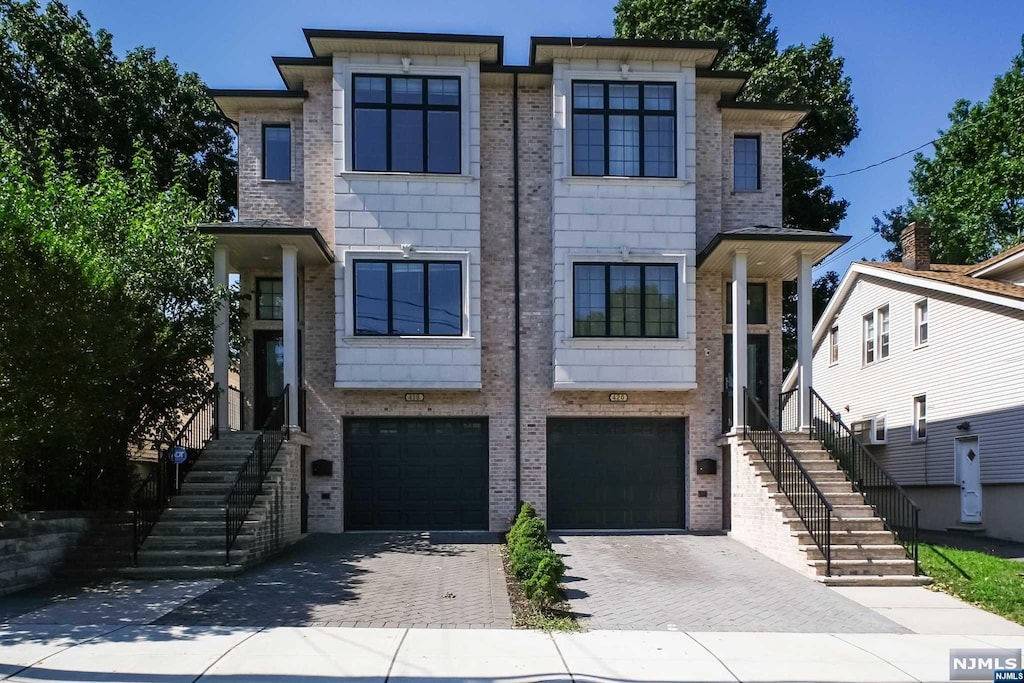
point(608, 300)
point(390, 301)
point(728, 301)
point(263, 172)
point(260, 281)
point(756, 138)
point(640, 112)
point(388, 106)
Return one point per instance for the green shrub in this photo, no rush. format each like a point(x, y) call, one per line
point(542, 587)
point(524, 560)
point(531, 558)
point(529, 531)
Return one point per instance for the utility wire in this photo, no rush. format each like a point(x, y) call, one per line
point(843, 252)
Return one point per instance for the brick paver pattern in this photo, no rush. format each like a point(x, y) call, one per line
point(698, 583)
point(424, 580)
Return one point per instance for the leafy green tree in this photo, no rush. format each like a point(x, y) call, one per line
point(890, 225)
point(799, 74)
point(107, 308)
point(58, 76)
point(971, 189)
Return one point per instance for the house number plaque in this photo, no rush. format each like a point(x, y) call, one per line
point(618, 398)
point(414, 397)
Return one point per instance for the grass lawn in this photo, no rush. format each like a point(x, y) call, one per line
point(991, 583)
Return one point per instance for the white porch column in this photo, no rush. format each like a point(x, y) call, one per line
point(221, 353)
point(804, 324)
point(289, 290)
point(739, 336)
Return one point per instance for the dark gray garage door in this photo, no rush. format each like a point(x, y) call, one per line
point(616, 473)
point(415, 474)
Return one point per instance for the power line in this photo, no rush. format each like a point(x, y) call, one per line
point(847, 250)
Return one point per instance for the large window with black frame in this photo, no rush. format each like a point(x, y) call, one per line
point(625, 300)
point(407, 123)
point(624, 129)
point(408, 298)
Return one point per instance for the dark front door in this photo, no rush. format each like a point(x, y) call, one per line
point(757, 373)
point(415, 473)
point(269, 373)
point(616, 473)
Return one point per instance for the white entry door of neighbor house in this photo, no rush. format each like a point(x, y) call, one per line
point(968, 468)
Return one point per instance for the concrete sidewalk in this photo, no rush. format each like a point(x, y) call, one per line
point(321, 654)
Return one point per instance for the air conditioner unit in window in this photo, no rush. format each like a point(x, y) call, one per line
point(870, 431)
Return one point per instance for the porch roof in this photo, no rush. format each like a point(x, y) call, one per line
point(255, 243)
point(771, 252)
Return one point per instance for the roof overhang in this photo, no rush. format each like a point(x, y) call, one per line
point(295, 70)
point(771, 252)
point(1010, 261)
point(498, 74)
point(728, 83)
point(786, 116)
point(232, 102)
point(257, 244)
point(699, 53)
point(327, 42)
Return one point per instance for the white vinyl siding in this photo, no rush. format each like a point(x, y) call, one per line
point(971, 372)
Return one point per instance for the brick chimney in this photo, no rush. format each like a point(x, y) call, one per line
point(916, 240)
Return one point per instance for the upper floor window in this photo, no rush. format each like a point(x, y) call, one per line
point(401, 298)
point(624, 129)
point(746, 162)
point(876, 335)
point(625, 300)
point(833, 345)
point(269, 298)
point(920, 429)
point(921, 322)
point(277, 151)
point(407, 123)
point(757, 304)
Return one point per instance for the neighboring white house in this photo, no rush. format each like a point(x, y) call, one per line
point(926, 362)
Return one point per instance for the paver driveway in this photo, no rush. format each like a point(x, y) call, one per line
point(698, 583)
point(411, 579)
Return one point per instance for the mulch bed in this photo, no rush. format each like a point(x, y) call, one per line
point(527, 615)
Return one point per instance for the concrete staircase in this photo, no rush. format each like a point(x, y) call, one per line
point(188, 540)
point(863, 551)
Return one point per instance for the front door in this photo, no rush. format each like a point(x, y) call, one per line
point(757, 374)
point(968, 467)
point(269, 373)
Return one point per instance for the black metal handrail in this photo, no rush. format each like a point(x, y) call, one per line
point(791, 477)
point(249, 482)
point(892, 504)
point(150, 499)
point(789, 411)
point(236, 409)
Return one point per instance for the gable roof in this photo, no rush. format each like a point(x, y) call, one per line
point(960, 276)
point(1004, 258)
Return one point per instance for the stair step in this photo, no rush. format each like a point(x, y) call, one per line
point(849, 537)
point(894, 567)
point(188, 558)
point(857, 552)
point(171, 527)
point(847, 498)
point(812, 466)
point(192, 542)
point(888, 581)
point(839, 512)
point(185, 571)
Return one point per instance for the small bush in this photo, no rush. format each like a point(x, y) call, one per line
point(531, 558)
point(542, 587)
point(528, 531)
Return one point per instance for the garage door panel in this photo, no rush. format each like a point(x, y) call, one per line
point(416, 473)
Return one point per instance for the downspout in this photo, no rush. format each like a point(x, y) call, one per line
point(515, 262)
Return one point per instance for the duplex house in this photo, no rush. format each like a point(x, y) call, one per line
point(474, 283)
point(923, 360)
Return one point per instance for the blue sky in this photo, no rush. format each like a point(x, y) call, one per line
point(909, 59)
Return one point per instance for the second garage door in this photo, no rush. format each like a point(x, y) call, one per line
point(616, 473)
point(415, 474)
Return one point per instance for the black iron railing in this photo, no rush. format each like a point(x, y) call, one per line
point(791, 477)
point(236, 409)
point(726, 411)
point(249, 482)
point(789, 411)
point(150, 499)
point(892, 504)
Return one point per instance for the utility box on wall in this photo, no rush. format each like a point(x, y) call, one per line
point(707, 466)
point(322, 468)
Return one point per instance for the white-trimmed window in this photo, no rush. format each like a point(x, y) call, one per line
point(833, 345)
point(919, 430)
point(881, 429)
point(876, 335)
point(921, 322)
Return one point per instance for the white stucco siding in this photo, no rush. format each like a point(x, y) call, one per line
point(438, 216)
point(971, 370)
point(636, 220)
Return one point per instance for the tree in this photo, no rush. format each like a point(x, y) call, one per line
point(107, 308)
point(57, 76)
point(971, 189)
point(798, 74)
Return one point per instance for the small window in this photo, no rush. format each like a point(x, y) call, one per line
point(625, 300)
point(883, 332)
point(277, 151)
point(269, 299)
point(757, 303)
point(833, 345)
point(876, 335)
point(879, 424)
point(407, 123)
point(869, 338)
point(920, 428)
point(408, 298)
point(921, 322)
point(624, 129)
point(746, 163)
